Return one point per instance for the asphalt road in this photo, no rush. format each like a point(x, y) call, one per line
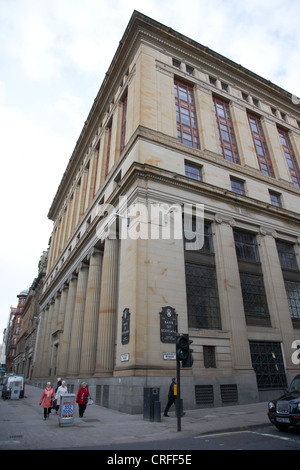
point(262, 438)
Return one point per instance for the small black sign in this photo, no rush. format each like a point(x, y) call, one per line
point(125, 326)
point(168, 325)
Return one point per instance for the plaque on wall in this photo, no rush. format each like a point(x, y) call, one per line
point(125, 326)
point(168, 325)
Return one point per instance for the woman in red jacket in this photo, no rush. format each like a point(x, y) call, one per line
point(82, 398)
point(47, 397)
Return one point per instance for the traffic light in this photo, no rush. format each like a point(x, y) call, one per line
point(183, 351)
point(182, 347)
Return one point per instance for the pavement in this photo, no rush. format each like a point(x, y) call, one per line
point(22, 426)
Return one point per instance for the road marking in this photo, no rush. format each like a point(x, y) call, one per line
point(282, 438)
point(228, 433)
point(11, 441)
point(221, 434)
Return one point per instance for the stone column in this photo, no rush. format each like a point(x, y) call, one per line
point(53, 351)
point(39, 345)
point(91, 316)
point(60, 324)
point(207, 123)
point(108, 309)
point(276, 293)
point(230, 294)
point(47, 350)
point(62, 366)
point(275, 148)
point(77, 327)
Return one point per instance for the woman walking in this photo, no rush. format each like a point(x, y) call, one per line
point(62, 390)
point(47, 398)
point(82, 398)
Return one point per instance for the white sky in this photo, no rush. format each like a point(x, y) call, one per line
point(53, 58)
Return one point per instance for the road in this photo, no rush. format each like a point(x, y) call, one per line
point(261, 438)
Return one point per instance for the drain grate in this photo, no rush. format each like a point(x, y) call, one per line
point(16, 436)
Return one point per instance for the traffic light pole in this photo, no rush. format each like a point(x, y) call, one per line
point(178, 411)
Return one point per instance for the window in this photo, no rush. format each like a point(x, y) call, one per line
point(224, 86)
point(275, 199)
point(209, 357)
point(293, 294)
point(213, 81)
point(267, 362)
point(202, 297)
point(176, 63)
point(245, 246)
point(291, 276)
point(274, 111)
point(260, 144)
point(290, 157)
point(201, 285)
point(237, 186)
point(187, 129)
point(283, 116)
point(123, 129)
point(226, 131)
point(287, 255)
point(254, 296)
point(189, 69)
point(252, 283)
point(193, 171)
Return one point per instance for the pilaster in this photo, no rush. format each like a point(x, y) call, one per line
point(78, 320)
point(91, 316)
point(108, 309)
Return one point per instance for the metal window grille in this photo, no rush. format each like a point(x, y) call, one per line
point(229, 393)
point(267, 362)
point(293, 295)
point(204, 395)
point(254, 295)
point(202, 297)
point(286, 255)
point(209, 357)
point(245, 246)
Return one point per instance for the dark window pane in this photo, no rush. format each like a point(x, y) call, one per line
point(202, 297)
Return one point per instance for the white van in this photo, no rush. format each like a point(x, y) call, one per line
point(13, 387)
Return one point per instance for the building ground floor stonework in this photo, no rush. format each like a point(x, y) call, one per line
point(100, 317)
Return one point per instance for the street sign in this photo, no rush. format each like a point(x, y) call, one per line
point(66, 409)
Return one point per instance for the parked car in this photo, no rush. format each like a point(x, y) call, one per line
point(285, 411)
point(13, 386)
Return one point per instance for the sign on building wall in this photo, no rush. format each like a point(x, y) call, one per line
point(125, 326)
point(168, 325)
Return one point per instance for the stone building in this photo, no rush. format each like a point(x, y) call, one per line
point(181, 198)
point(29, 323)
point(13, 332)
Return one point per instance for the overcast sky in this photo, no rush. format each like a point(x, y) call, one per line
point(53, 58)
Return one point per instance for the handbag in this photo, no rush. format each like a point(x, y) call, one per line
point(90, 401)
